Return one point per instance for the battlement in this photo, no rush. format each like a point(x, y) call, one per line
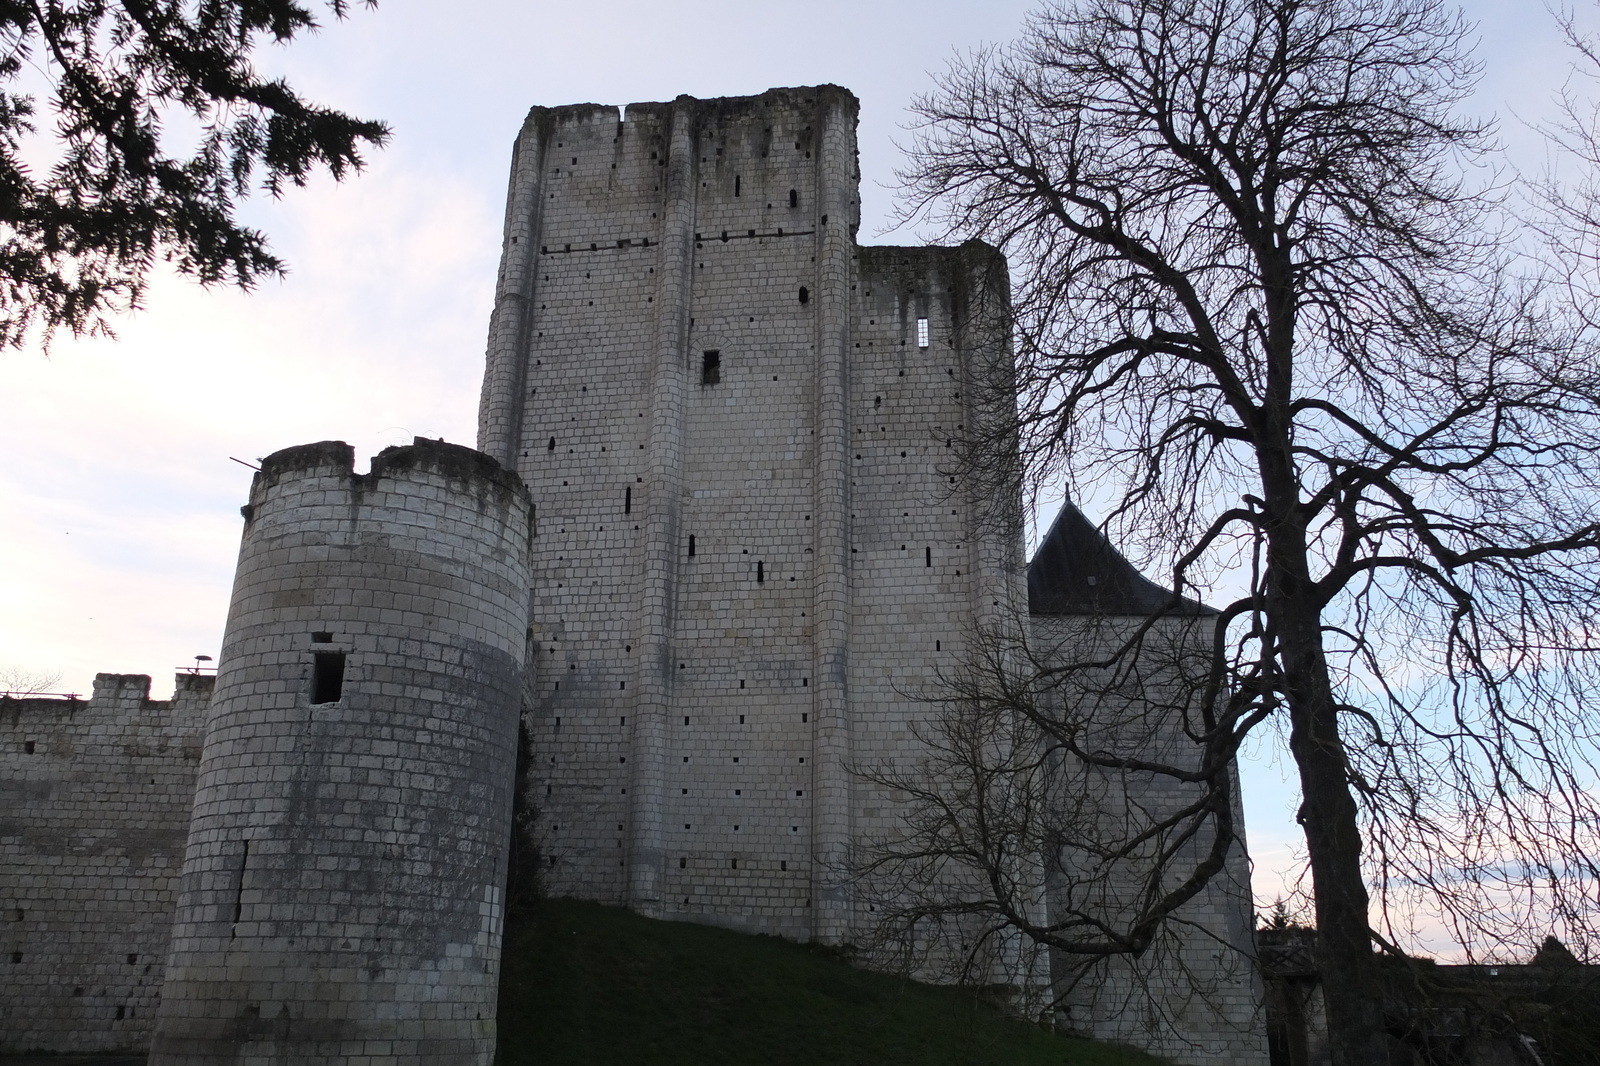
point(650, 113)
point(454, 462)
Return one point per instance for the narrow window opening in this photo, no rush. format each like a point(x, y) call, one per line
point(805, 295)
point(737, 183)
point(16, 957)
point(922, 333)
point(794, 197)
point(741, 717)
point(691, 546)
point(551, 446)
point(122, 1012)
point(938, 645)
point(711, 368)
point(322, 638)
point(783, 864)
point(27, 747)
point(683, 864)
point(132, 958)
point(733, 863)
point(804, 717)
point(761, 571)
point(238, 891)
point(627, 500)
point(327, 676)
point(927, 556)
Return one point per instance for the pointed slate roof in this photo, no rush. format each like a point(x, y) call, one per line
point(1077, 571)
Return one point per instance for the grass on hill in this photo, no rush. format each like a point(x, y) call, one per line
point(585, 984)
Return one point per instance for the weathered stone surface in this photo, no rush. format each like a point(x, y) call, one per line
point(739, 427)
point(342, 888)
point(94, 809)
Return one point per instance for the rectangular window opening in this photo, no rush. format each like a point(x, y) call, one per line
point(927, 556)
point(922, 333)
point(327, 676)
point(711, 368)
point(761, 572)
point(691, 545)
point(627, 500)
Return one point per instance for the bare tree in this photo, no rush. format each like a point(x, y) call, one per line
point(1264, 318)
point(19, 683)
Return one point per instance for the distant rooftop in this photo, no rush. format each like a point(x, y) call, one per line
point(1076, 571)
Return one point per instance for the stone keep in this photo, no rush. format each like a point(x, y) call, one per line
point(738, 426)
point(741, 430)
point(341, 890)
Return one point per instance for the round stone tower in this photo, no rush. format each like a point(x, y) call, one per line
point(341, 897)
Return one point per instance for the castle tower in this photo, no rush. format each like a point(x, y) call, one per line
point(740, 428)
point(341, 891)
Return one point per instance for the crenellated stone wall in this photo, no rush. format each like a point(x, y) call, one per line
point(94, 810)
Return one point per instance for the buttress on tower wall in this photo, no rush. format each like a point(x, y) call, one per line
point(739, 428)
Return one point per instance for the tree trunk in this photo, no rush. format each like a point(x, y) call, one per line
point(1333, 837)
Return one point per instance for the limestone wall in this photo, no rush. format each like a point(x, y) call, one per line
point(342, 889)
point(749, 543)
point(1196, 995)
point(94, 808)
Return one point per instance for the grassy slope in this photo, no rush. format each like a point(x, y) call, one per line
point(590, 984)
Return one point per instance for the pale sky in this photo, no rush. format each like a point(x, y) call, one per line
point(119, 519)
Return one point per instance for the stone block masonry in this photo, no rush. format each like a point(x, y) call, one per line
point(740, 430)
point(94, 810)
point(342, 885)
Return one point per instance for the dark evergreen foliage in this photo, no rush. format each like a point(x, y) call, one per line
point(77, 241)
